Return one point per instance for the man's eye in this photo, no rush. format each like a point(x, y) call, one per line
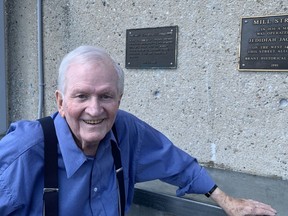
point(105, 97)
point(81, 96)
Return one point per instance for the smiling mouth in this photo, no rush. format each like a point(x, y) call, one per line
point(93, 122)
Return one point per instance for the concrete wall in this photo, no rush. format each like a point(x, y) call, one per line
point(225, 118)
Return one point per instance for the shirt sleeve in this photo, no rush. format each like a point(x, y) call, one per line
point(158, 158)
point(20, 163)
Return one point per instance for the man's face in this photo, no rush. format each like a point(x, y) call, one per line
point(90, 103)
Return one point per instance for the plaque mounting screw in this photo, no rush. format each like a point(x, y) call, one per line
point(246, 21)
point(243, 65)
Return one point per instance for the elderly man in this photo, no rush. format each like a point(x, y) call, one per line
point(90, 87)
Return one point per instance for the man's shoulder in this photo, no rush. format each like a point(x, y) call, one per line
point(127, 118)
point(23, 131)
point(126, 121)
point(21, 160)
point(122, 114)
point(21, 139)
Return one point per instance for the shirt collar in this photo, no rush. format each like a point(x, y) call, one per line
point(73, 157)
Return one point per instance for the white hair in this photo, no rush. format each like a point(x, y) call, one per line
point(88, 54)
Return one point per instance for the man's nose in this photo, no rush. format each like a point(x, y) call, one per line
point(94, 107)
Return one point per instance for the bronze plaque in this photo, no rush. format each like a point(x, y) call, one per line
point(264, 43)
point(151, 47)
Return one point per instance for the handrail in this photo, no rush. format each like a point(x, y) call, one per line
point(171, 205)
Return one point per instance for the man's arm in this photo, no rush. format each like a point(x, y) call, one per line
point(241, 207)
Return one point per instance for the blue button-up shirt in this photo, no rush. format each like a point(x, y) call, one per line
point(88, 185)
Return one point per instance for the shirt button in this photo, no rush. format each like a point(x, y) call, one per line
point(95, 189)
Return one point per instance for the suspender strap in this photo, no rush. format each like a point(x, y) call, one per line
point(50, 191)
point(119, 173)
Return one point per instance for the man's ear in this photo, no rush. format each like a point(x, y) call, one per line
point(120, 97)
point(59, 101)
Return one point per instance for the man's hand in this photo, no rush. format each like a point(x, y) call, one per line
point(241, 207)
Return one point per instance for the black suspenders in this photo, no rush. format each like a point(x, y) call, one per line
point(50, 191)
point(119, 173)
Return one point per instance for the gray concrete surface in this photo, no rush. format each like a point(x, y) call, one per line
point(226, 118)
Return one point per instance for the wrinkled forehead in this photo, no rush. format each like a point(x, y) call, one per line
point(92, 73)
point(84, 61)
point(92, 69)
